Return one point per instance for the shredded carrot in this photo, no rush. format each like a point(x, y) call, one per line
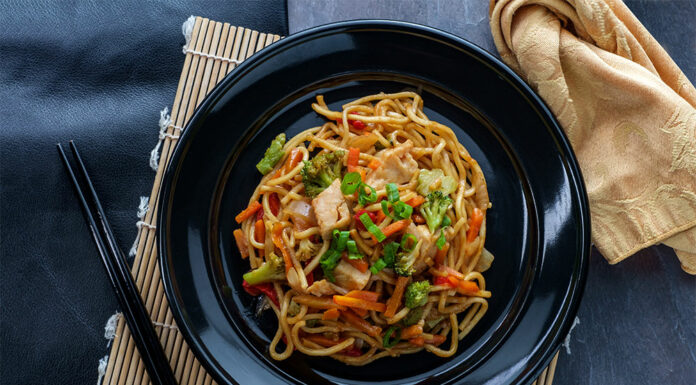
point(353, 158)
point(380, 217)
point(374, 163)
point(241, 243)
point(418, 341)
point(323, 341)
point(435, 340)
point(317, 302)
point(361, 324)
point(467, 287)
point(364, 294)
point(259, 231)
point(411, 331)
point(396, 227)
point(362, 173)
point(293, 160)
point(441, 254)
point(248, 212)
point(474, 224)
point(417, 218)
point(395, 300)
point(359, 264)
point(359, 303)
point(278, 242)
point(358, 311)
point(415, 201)
point(331, 315)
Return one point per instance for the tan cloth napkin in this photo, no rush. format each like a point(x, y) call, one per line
point(629, 112)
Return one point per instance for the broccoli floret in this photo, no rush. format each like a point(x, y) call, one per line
point(434, 209)
point(414, 316)
point(273, 154)
point(404, 261)
point(321, 171)
point(417, 294)
point(271, 270)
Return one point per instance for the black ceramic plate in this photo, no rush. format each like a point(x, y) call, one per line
point(538, 228)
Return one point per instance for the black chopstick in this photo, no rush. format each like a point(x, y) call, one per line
point(129, 299)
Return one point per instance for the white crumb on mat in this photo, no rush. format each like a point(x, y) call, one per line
point(103, 362)
point(566, 342)
point(110, 327)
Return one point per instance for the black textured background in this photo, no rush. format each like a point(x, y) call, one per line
point(99, 73)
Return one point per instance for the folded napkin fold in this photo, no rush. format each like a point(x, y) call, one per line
point(628, 110)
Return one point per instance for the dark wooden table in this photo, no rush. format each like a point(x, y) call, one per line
point(638, 318)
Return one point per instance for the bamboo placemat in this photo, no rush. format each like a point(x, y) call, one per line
point(213, 49)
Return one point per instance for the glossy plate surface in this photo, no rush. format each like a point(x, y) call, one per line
point(538, 228)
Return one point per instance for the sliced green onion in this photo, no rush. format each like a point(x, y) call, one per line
point(341, 238)
point(351, 182)
point(392, 192)
point(364, 197)
point(385, 210)
point(378, 266)
point(372, 228)
point(402, 210)
point(353, 252)
point(390, 253)
point(405, 242)
point(388, 342)
point(446, 221)
point(440, 243)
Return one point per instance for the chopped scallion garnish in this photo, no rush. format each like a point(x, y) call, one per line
point(392, 192)
point(378, 266)
point(372, 228)
point(351, 182)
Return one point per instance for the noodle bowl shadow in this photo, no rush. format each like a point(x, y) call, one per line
point(537, 228)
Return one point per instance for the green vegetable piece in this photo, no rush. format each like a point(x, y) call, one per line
point(293, 309)
point(440, 243)
point(321, 171)
point(372, 228)
point(434, 209)
point(351, 182)
point(402, 210)
point(364, 197)
point(388, 341)
point(385, 210)
point(271, 270)
point(405, 261)
point(390, 253)
point(353, 252)
point(273, 154)
point(446, 221)
point(328, 263)
point(340, 240)
point(392, 192)
point(311, 323)
point(417, 294)
point(378, 266)
point(427, 177)
point(408, 242)
point(433, 322)
point(414, 316)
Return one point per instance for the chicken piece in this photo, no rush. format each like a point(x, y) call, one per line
point(398, 166)
point(349, 277)
point(320, 288)
point(331, 209)
point(428, 249)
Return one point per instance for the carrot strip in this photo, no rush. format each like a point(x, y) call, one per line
point(248, 212)
point(441, 254)
point(241, 243)
point(380, 217)
point(374, 164)
point(278, 242)
point(396, 227)
point(467, 287)
point(323, 341)
point(364, 294)
point(331, 315)
point(317, 302)
point(436, 340)
point(260, 231)
point(361, 324)
point(474, 224)
point(358, 311)
point(293, 160)
point(274, 203)
point(361, 171)
point(411, 331)
point(417, 218)
point(358, 303)
point(415, 201)
point(418, 341)
point(395, 300)
point(353, 158)
point(359, 264)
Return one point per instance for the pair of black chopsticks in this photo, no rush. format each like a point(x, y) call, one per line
point(129, 299)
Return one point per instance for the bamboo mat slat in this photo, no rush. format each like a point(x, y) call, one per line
point(214, 50)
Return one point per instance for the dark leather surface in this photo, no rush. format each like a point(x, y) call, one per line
point(98, 74)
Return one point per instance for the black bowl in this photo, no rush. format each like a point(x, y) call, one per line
point(538, 228)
